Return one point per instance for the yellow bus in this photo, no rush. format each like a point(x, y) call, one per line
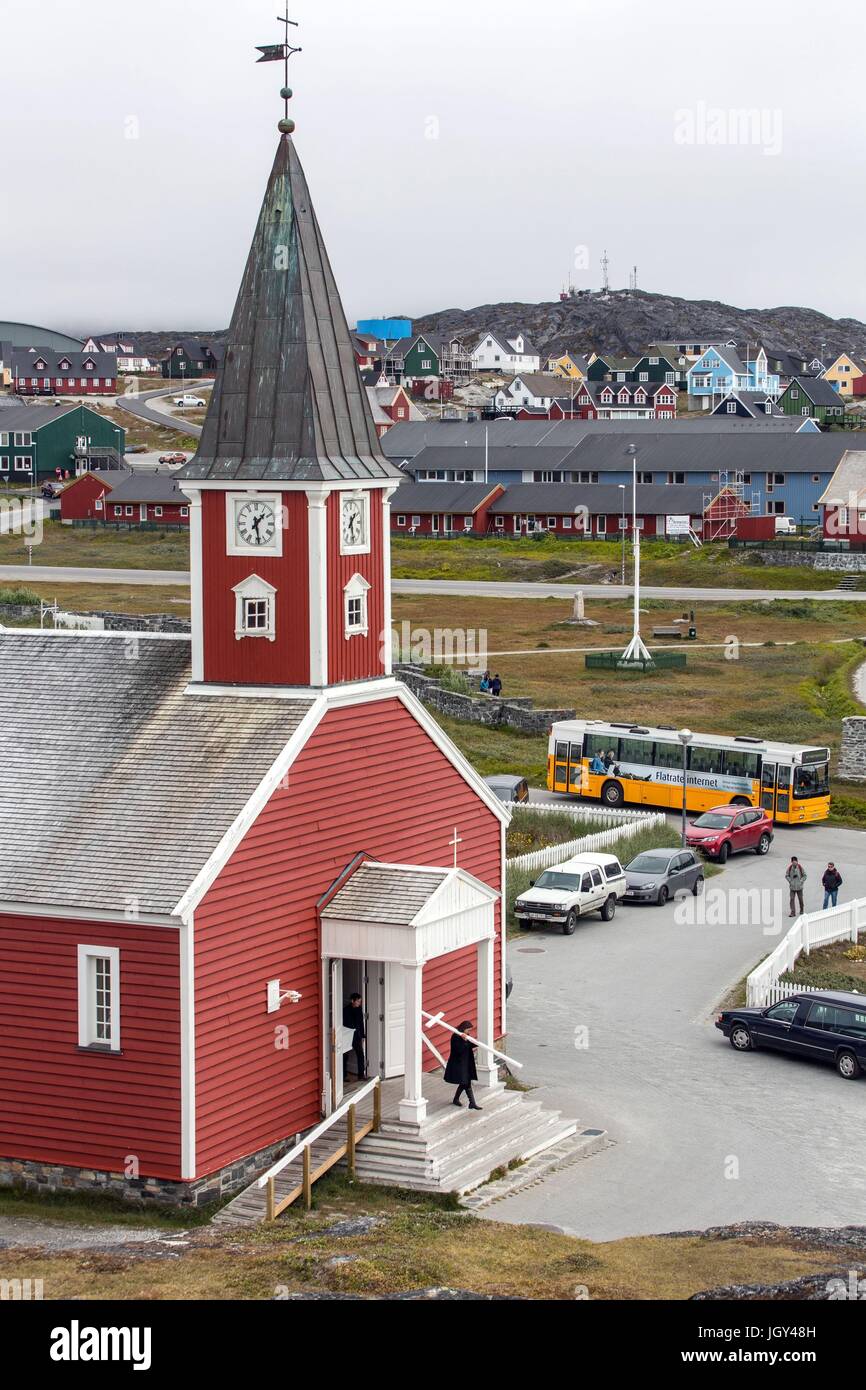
point(634, 764)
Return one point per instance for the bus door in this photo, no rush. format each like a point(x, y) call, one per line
point(576, 781)
point(560, 766)
point(776, 789)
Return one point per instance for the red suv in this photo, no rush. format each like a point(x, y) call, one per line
point(728, 829)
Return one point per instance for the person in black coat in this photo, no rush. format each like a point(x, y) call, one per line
point(460, 1071)
point(353, 1017)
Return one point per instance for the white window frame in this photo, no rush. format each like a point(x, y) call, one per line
point(24, 463)
point(99, 505)
point(235, 501)
point(401, 519)
point(258, 590)
point(87, 1026)
point(356, 591)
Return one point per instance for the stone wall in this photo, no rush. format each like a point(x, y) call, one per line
point(114, 622)
point(852, 755)
point(517, 713)
point(847, 561)
point(58, 1177)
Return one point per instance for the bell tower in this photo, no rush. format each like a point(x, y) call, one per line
point(289, 491)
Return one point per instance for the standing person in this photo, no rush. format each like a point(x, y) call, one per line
point(832, 881)
point(353, 1017)
point(485, 683)
point(496, 687)
point(796, 876)
point(460, 1071)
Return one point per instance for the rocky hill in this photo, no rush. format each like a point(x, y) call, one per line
point(626, 321)
point(622, 321)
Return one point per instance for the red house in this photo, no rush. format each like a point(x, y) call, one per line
point(47, 372)
point(83, 499)
point(390, 406)
point(443, 509)
point(214, 840)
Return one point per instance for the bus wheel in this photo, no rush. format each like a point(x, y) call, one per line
point(740, 801)
point(611, 794)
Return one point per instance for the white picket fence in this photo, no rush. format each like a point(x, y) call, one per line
point(842, 923)
point(626, 824)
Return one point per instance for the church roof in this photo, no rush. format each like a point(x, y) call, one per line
point(116, 784)
point(288, 404)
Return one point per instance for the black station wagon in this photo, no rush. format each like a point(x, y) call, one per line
point(826, 1026)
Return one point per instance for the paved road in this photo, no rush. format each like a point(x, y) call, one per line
point(439, 587)
point(69, 574)
point(138, 405)
point(679, 1103)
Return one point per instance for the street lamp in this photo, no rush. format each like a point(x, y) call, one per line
point(685, 737)
point(622, 529)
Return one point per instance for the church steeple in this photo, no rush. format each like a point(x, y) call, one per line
point(289, 404)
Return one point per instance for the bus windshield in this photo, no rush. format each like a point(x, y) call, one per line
point(813, 780)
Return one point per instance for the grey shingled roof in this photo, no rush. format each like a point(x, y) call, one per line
point(288, 404)
point(847, 487)
point(30, 418)
point(389, 893)
point(23, 363)
point(149, 487)
point(817, 390)
point(440, 497)
point(115, 784)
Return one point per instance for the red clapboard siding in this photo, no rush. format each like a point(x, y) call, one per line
point(59, 1104)
point(359, 658)
point(255, 661)
point(369, 779)
point(78, 500)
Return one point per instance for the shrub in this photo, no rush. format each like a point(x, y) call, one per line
point(19, 595)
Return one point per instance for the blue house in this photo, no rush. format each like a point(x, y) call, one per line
point(721, 370)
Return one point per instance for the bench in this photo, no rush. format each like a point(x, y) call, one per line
point(667, 632)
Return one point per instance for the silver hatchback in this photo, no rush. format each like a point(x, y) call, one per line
point(660, 874)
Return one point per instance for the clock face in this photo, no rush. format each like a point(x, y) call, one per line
point(354, 523)
point(256, 523)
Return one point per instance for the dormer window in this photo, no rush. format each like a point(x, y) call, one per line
point(89, 365)
point(64, 366)
point(40, 365)
point(355, 606)
point(255, 609)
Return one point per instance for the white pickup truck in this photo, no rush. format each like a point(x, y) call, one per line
point(568, 891)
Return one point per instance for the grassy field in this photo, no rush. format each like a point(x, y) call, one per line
point(593, 562)
point(93, 598)
point(417, 1242)
point(100, 547)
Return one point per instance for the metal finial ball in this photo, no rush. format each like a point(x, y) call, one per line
point(286, 127)
point(286, 93)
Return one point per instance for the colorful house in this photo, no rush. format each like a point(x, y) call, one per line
point(442, 509)
point(569, 365)
point(390, 406)
point(505, 353)
point(46, 372)
point(813, 398)
point(844, 501)
point(39, 443)
point(721, 370)
point(844, 372)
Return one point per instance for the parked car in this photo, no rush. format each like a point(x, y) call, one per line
point(189, 401)
point(509, 789)
point(659, 874)
point(172, 458)
point(568, 891)
point(136, 448)
point(827, 1026)
point(726, 830)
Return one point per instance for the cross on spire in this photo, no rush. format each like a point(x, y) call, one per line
point(282, 52)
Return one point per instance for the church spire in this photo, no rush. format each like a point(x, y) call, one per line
point(288, 404)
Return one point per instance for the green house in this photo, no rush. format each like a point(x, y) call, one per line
point(413, 357)
point(814, 398)
point(37, 440)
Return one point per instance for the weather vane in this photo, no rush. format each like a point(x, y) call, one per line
point(282, 52)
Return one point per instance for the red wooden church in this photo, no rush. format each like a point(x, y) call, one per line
point(197, 832)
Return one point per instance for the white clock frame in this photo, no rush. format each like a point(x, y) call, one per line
point(235, 546)
point(364, 499)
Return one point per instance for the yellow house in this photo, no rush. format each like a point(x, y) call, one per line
point(568, 365)
point(844, 372)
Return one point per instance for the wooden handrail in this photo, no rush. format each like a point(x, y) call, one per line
point(321, 1129)
point(439, 1021)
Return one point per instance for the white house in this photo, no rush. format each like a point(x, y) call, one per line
point(512, 353)
point(536, 389)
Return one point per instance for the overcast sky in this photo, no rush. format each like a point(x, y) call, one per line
point(461, 153)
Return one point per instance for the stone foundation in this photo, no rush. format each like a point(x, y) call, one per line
point(852, 755)
point(515, 713)
point(846, 561)
point(34, 1176)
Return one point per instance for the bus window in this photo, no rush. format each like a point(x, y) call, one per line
point(741, 764)
point(669, 755)
point(598, 743)
point(561, 752)
point(768, 784)
point(575, 767)
point(705, 759)
point(636, 750)
point(812, 781)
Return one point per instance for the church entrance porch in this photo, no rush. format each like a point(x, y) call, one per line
point(379, 929)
